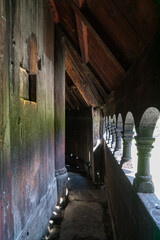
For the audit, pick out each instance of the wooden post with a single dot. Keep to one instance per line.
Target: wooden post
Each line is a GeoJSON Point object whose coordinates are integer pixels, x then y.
{"type": "Point", "coordinates": [59, 95]}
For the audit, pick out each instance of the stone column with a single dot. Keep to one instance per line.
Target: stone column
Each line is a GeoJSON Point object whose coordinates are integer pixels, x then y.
{"type": "Point", "coordinates": [59, 96]}
{"type": "Point", "coordinates": [109, 136]}
{"type": "Point", "coordinates": [118, 139]}
{"type": "Point", "coordinates": [113, 131]}
{"type": "Point", "coordinates": [127, 143]}
{"type": "Point", "coordinates": [107, 132]}
{"type": "Point", "coordinates": [118, 148]}
{"type": "Point", "coordinates": [143, 181]}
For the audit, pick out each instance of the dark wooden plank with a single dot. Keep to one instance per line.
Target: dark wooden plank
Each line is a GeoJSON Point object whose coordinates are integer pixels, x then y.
{"type": "Point", "coordinates": [77, 102]}
{"type": "Point", "coordinates": [6, 217]}
{"type": "Point", "coordinates": [51, 4]}
{"type": "Point", "coordinates": [115, 30]}
{"type": "Point", "coordinates": [79, 3]}
{"type": "Point", "coordinates": [80, 97]}
{"type": "Point", "coordinates": [83, 39]}
{"type": "Point", "coordinates": [85, 72]}
{"type": "Point", "coordinates": [67, 19]}
{"type": "Point", "coordinates": [69, 101]}
{"type": "Point", "coordinates": [142, 15]}
{"type": "Point", "coordinates": [59, 97]}
{"type": "Point", "coordinates": [75, 90]}
{"type": "Point", "coordinates": [109, 56]}
{"type": "Point", "coordinates": [80, 84]}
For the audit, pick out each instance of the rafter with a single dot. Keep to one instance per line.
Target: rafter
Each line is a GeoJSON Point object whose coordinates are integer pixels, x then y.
{"type": "Point", "coordinates": [74, 97]}
{"type": "Point", "coordinates": [80, 84]}
{"type": "Point", "coordinates": [52, 5]}
{"type": "Point", "coordinates": [85, 72]}
{"type": "Point", "coordinates": [109, 56]}
{"type": "Point", "coordinates": [69, 100]}
{"type": "Point", "coordinates": [79, 3]}
{"type": "Point", "coordinates": [83, 39]}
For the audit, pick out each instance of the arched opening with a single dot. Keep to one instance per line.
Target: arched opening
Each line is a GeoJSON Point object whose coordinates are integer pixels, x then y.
{"type": "Point", "coordinates": [129, 158]}
{"type": "Point", "coordinates": [144, 140]}
{"type": "Point", "coordinates": [151, 125]}
{"type": "Point", "coordinates": [120, 121]}
{"type": "Point", "coordinates": [155, 161]}
{"type": "Point", "coordinates": [148, 122]}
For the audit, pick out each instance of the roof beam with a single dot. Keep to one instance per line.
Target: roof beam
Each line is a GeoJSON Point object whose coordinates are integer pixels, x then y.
{"type": "Point", "coordinates": [85, 72]}
{"type": "Point", "coordinates": [52, 5]}
{"type": "Point", "coordinates": [106, 50]}
{"type": "Point", "coordinates": [74, 98]}
{"type": "Point", "coordinates": [69, 101]}
{"type": "Point", "coordinates": [80, 84]}
{"type": "Point", "coordinates": [83, 39]}
{"type": "Point", "coordinates": [79, 3]}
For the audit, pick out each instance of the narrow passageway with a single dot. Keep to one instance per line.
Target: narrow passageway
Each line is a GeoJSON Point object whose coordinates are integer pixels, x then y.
{"type": "Point", "coordinates": [86, 216]}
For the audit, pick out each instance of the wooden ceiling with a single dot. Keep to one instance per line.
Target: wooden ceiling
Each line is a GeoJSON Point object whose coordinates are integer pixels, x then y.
{"type": "Point", "coordinates": [103, 40]}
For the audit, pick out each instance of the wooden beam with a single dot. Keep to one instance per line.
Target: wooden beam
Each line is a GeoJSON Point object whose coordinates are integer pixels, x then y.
{"type": "Point", "coordinates": [72, 88]}
{"type": "Point", "coordinates": [74, 98]}
{"type": "Point", "coordinates": [109, 55]}
{"type": "Point", "coordinates": [80, 97]}
{"type": "Point", "coordinates": [79, 3]}
{"type": "Point", "coordinates": [136, 13]}
{"type": "Point", "coordinates": [83, 39]}
{"type": "Point", "coordinates": [81, 85]}
{"type": "Point", "coordinates": [52, 5]}
{"type": "Point", "coordinates": [69, 100]}
{"type": "Point", "coordinates": [85, 72]}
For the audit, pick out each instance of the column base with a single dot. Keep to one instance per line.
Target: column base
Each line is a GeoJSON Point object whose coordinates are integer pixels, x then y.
{"type": "Point", "coordinates": [62, 182]}
{"type": "Point", "coordinates": [143, 184]}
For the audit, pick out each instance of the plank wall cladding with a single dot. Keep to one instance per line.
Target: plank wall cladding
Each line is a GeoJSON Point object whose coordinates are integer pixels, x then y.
{"type": "Point", "coordinates": [28, 186]}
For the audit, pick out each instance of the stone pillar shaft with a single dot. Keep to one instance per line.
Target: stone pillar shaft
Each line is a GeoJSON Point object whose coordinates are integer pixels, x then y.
{"type": "Point", "coordinates": [113, 136]}
{"type": "Point", "coordinates": [107, 132]}
{"type": "Point", "coordinates": [118, 140]}
{"type": "Point", "coordinates": [143, 181]}
{"type": "Point", "coordinates": [109, 136]}
{"type": "Point", "coordinates": [127, 143]}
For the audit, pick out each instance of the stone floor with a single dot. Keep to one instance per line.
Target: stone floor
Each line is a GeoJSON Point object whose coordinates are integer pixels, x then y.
{"type": "Point", "coordinates": [86, 215]}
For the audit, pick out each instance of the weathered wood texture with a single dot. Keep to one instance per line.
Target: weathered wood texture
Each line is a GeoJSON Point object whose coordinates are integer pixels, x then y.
{"type": "Point", "coordinates": [79, 3]}
{"type": "Point", "coordinates": [143, 16]}
{"type": "Point", "coordinates": [83, 39]}
{"type": "Point", "coordinates": [6, 218]}
{"type": "Point", "coordinates": [85, 72]}
{"type": "Point", "coordinates": [67, 19]}
{"type": "Point", "coordinates": [27, 134]}
{"type": "Point", "coordinates": [102, 55]}
{"type": "Point", "coordinates": [81, 85]}
{"type": "Point", "coordinates": [59, 96]}
{"type": "Point", "coordinates": [111, 38]}
{"type": "Point", "coordinates": [73, 95]}
{"type": "Point", "coordinates": [120, 33]}
{"type": "Point", "coordinates": [51, 4]}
